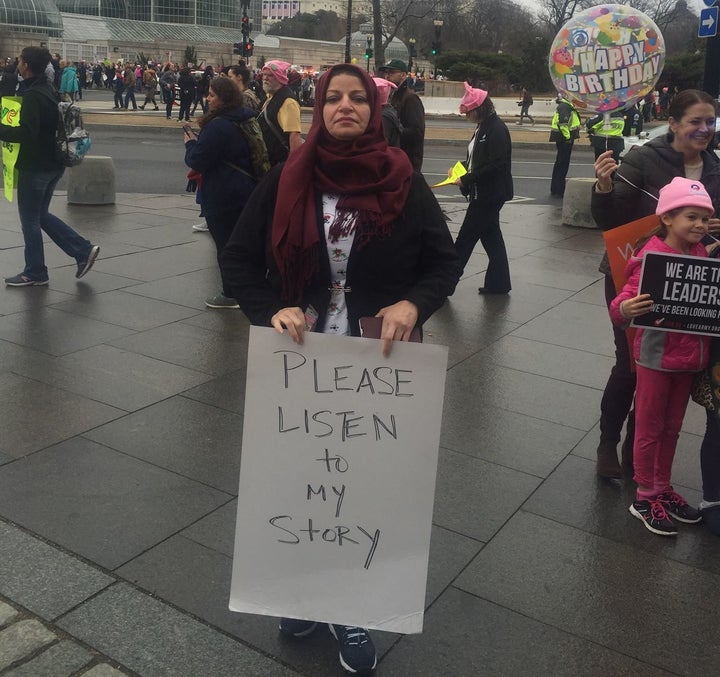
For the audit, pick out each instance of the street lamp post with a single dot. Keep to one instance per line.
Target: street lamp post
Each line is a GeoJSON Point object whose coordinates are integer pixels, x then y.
{"type": "Point", "coordinates": [438, 24]}
{"type": "Point", "coordinates": [348, 29]}
{"type": "Point", "coordinates": [411, 41]}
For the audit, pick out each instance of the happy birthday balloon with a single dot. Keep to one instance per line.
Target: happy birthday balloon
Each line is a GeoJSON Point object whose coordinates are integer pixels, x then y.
{"type": "Point", "coordinates": [607, 57]}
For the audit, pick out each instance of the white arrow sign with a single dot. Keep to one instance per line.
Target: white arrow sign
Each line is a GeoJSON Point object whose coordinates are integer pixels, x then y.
{"type": "Point", "coordinates": [708, 22]}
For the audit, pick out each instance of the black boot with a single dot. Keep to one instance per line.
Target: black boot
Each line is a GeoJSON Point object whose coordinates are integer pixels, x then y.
{"type": "Point", "coordinates": [142, 107]}
{"type": "Point", "coordinates": [607, 461]}
{"type": "Point", "coordinates": [626, 451]}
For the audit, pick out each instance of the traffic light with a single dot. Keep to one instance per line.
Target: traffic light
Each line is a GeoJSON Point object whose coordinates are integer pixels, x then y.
{"type": "Point", "coordinates": [248, 47]}
{"type": "Point", "coordinates": [238, 48]}
{"type": "Point", "coordinates": [434, 48]}
{"type": "Point", "coordinates": [245, 26]}
{"type": "Point", "coordinates": [368, 53]}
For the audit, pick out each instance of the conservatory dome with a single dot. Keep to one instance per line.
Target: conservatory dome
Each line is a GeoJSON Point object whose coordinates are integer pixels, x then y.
{"type": "Point", "coordinates": [31, 15]}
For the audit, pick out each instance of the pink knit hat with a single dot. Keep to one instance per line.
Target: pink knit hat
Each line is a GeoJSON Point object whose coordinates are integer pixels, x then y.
{"type": "Point", "coordinates": [278, 69]}
{"type": "Point", "coordinates": [384, 87]}
{"type": "Point", "coordinates": [472, 99]}
{"type": "Point", "coordinates": [682, 192]}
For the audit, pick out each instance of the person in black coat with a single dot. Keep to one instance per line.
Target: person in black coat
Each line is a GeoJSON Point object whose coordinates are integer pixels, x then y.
{"type": "Point", "coordinates": [414, 263]}
{"type": "Point", "coordinates": [488, 185]}
{"type": "Point", "coordinates": [342, 230]}
{"type": "Point", "coordinates": [627, 192]}
{"type": "Point", "coordinates": [187, 86]}
{"type": "Point", "coordinates": [221, 155]}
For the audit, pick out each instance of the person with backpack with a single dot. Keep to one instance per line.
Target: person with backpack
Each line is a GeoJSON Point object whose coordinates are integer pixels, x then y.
{"type": "Point", "coordinates": [222, 156]}
{"type": "Point", "coordinates": [39, 170]}
{"type": "Point", "coordinates": [150, 82]}
{"type": "Point", "coordinates": [280, 115]}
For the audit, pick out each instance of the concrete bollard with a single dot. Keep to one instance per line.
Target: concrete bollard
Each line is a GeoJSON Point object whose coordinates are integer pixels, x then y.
{"type": "Point", "coordinates": [576, 203]}
{"type": "Point", "coordinates": [92, 182]}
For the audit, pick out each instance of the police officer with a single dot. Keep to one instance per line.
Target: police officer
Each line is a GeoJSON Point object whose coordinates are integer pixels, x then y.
{"type": "Point", "coordinates": [604, 138]}
{"type": "Point", "coordinates": [565, 128]}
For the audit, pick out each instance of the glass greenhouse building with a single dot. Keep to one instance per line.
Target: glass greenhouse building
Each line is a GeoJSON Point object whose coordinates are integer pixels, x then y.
{"type": "Point", "coordinates": [30, 16]}
{"type": "Point", "coordinates": [44, 15]}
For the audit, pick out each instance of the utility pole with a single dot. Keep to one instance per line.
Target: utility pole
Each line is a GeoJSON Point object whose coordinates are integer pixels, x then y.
{"type": "Point", "coordinates": [348, 33]}
{"type": "Point", "coordinates": [437, 45]}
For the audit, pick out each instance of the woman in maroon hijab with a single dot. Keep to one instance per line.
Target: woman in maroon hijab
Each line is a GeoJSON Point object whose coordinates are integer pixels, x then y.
{"type": "Point", "coordinates": [344, 229]}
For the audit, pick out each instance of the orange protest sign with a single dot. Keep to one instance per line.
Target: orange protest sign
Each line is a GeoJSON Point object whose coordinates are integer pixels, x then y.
{"type": "Point", "coordinates": [620, 243]}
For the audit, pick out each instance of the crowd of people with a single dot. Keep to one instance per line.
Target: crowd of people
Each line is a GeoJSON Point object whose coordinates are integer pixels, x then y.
{"type": "Point", "coordinates": [298, 224]}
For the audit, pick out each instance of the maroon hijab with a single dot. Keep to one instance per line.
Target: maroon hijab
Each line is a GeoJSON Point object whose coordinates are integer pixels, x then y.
{"type": "Point", "coordinates": [372, 180]}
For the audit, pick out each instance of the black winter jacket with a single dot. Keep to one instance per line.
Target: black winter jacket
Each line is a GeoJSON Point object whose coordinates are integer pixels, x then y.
{"type": "Point", "coordinates": [219, 145]}
{"type": "Point", "coordinates": [648, 168]}
{"type": "Point", "coordinates": [489, 177]}
{"type": "Point", "coordinates": [417, 262]}
{"type": "Point", "coordinates": [38, 125]}
{"type": "Point", "coordinates": [412, 116]}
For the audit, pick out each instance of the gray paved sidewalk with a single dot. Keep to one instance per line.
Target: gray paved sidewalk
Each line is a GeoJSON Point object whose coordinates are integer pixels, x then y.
{"type": "Point", "coordinates": [122, 414]}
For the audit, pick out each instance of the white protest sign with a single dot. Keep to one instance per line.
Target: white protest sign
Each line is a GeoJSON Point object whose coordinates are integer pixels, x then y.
{"type": "Point", "coordinates": [337, 480]}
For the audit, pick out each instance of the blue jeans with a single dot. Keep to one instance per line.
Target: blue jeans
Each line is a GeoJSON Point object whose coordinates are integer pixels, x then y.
{"type": "Point", "coordinates": [130, 96]}
{"type": "Point", "coordinates": [34, 192]}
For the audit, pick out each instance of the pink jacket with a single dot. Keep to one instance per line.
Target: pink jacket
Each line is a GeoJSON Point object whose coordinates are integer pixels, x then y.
{"type": "Point", "coordinates": [661, 350]}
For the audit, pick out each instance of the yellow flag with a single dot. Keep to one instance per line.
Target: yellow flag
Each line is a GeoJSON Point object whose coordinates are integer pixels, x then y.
{"type": "Point", "coordinates": [10, 116]}
{"type": "Point", "coordinates": [456, 172]}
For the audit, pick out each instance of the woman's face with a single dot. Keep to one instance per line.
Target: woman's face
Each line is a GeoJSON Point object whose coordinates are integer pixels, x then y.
{"type": "Point", "coordinates": [473, 115]}
{"type": "Point", "coordinates": [694, 130]}
{"type": "Point", "coordinates": [213, 99]}
{"type": "Point", "coordinates": [346, 111]}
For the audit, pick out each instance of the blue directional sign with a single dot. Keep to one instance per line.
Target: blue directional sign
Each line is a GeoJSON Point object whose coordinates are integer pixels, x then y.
{"type": "Point", "coordinates": [708, 27]}
{"type": "Point", "coordinates": [709, 3]}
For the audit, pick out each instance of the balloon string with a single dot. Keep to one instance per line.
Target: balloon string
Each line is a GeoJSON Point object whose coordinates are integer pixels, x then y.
{"type": "Point", "coordinates": [642, 190]}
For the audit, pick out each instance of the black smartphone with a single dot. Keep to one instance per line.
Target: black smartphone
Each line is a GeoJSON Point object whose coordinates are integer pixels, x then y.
{"type": "Point", "coordinates": [188, 130]}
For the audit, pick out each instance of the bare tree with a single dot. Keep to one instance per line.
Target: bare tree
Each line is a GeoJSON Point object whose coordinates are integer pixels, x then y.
{"type": "Point", "coordinates": [556, 13]}
{"type": "Point", "coordinates": [393, 16]}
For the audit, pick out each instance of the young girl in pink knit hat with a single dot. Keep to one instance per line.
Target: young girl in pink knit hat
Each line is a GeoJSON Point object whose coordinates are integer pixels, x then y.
{"type": "Point", "coordinates": [666, 361]}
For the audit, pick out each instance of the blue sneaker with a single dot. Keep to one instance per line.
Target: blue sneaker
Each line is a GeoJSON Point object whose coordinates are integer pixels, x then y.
{"type": "Point", "coordinates": [297, 627]}
{"type": "Point", "coordinates": [23, 280]}
{"type": "Point", "coordinates": [357, 651]}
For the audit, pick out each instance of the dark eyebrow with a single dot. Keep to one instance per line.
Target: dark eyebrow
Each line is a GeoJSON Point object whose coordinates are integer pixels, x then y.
{"type": "Point", "coordinates": [360, 90]}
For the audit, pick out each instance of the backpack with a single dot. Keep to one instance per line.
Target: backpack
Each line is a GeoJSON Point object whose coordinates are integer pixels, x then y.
{"type": "Point", "coordinates": [259, 159]}
{"type": "Point", "coordinates": [72, 140]}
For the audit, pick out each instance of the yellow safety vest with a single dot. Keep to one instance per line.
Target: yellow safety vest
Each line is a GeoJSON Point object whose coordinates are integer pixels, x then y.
{"type": "Point", "coordinates": [616, 127]}
{"type": "Point", "coordinates": [572, 124]}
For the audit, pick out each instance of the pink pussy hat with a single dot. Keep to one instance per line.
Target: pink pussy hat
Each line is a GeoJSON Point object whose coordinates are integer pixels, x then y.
{"type": "Point", "coordinates": [472, 99]}
{"type": "Point", "coordinates": [278, 69]}
{"type": "Point", "coordinates": [384, 87]}
{"type": "Point", "coordinates": [682, 192]}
